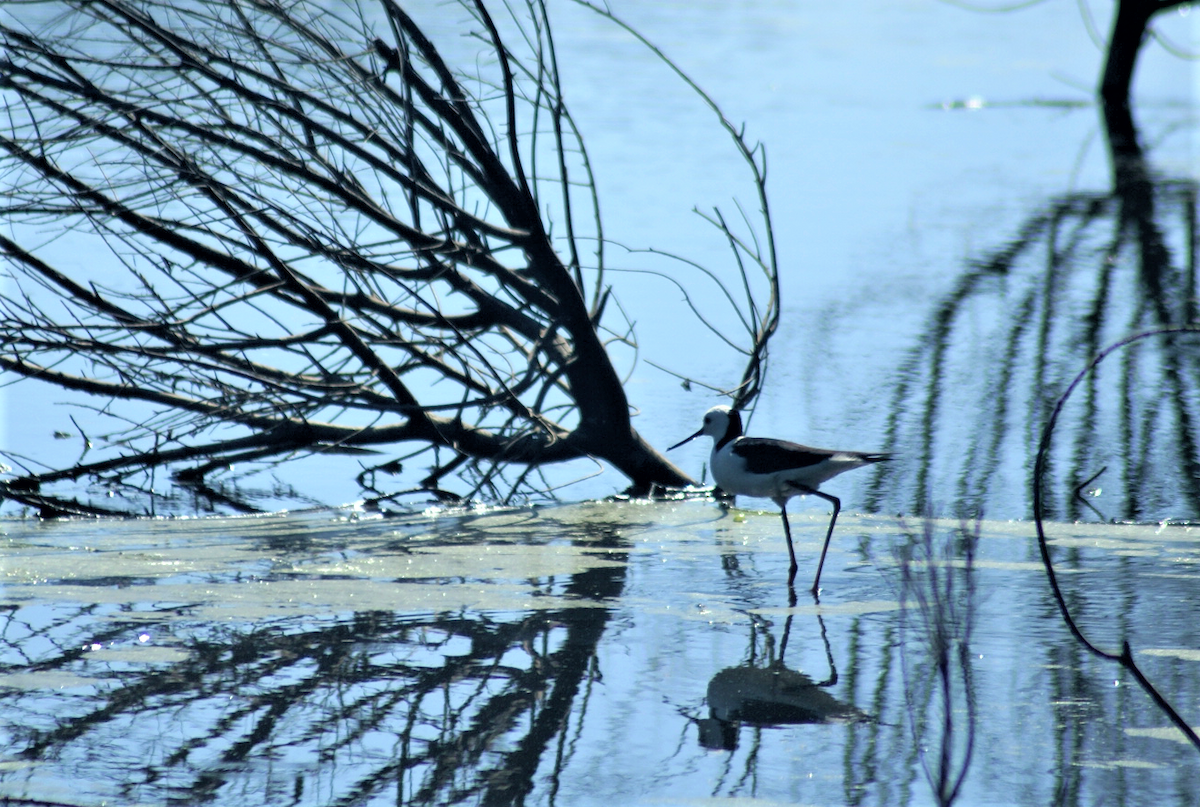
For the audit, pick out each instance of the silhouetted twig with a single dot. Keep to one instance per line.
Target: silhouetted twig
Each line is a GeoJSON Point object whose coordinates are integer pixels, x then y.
{"type": "Point", "coordinates": [1125, 657]}
{"type": "Point", "coordinates": [1079, 492]}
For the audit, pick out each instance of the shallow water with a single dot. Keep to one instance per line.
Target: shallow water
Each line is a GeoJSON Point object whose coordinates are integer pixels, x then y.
{"type": "Point", "coordinates": [636, 652]}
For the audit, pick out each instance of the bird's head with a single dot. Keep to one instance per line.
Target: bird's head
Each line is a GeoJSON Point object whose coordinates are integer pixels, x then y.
{"type": "Point", "coordinates": [717, 422]}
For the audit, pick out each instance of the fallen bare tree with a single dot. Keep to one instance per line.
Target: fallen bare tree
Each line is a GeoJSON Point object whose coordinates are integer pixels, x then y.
{"type": "Point", "coordinates": [293, 229]}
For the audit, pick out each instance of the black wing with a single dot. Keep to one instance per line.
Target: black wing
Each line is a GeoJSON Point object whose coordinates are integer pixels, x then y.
{"type": "Point", "coordinates": [766, 456]}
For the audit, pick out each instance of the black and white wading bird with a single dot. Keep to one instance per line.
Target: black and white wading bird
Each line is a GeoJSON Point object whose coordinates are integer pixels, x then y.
{"type": "Point", "coordinates": [775, 469]}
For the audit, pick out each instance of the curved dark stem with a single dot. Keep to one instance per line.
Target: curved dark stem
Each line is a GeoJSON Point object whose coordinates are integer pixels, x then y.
{"type": "Point", "coordinates": [1125, 657]}
{"type": "Point", "coordinates": [510, 104]}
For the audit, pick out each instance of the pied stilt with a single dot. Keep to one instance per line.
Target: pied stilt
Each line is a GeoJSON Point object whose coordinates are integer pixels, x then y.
{"type": "Point", "coordinates": [775, 469]}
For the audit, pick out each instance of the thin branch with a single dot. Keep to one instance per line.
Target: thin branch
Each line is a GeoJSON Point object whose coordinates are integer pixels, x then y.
{"type": "Point", "coordinates": [1125, 656]}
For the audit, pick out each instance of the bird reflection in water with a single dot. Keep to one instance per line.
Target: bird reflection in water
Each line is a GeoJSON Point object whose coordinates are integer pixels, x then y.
{"type": "Point", "coordinates": [771, 695]}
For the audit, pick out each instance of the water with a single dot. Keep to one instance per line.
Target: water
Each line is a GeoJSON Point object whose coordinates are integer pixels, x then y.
{"type": "Point", "coordinates": [576, 654]}
{"type": "Point", "coordinates": [581, 655]}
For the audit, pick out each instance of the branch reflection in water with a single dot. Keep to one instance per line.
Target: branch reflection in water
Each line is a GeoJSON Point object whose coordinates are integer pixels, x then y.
{"type": "Point", "coordinates": [1085, 270]}
{"type": "Point", "coordinates": [438, 707]}
{"type": "Point", "coordinates": [570, 656]}
{"type": "Point", "coordinates": [937, 601]}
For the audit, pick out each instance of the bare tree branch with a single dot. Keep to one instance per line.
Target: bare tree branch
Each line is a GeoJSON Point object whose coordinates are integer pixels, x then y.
{"type": "Point", "coordinates": [302, 234]}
